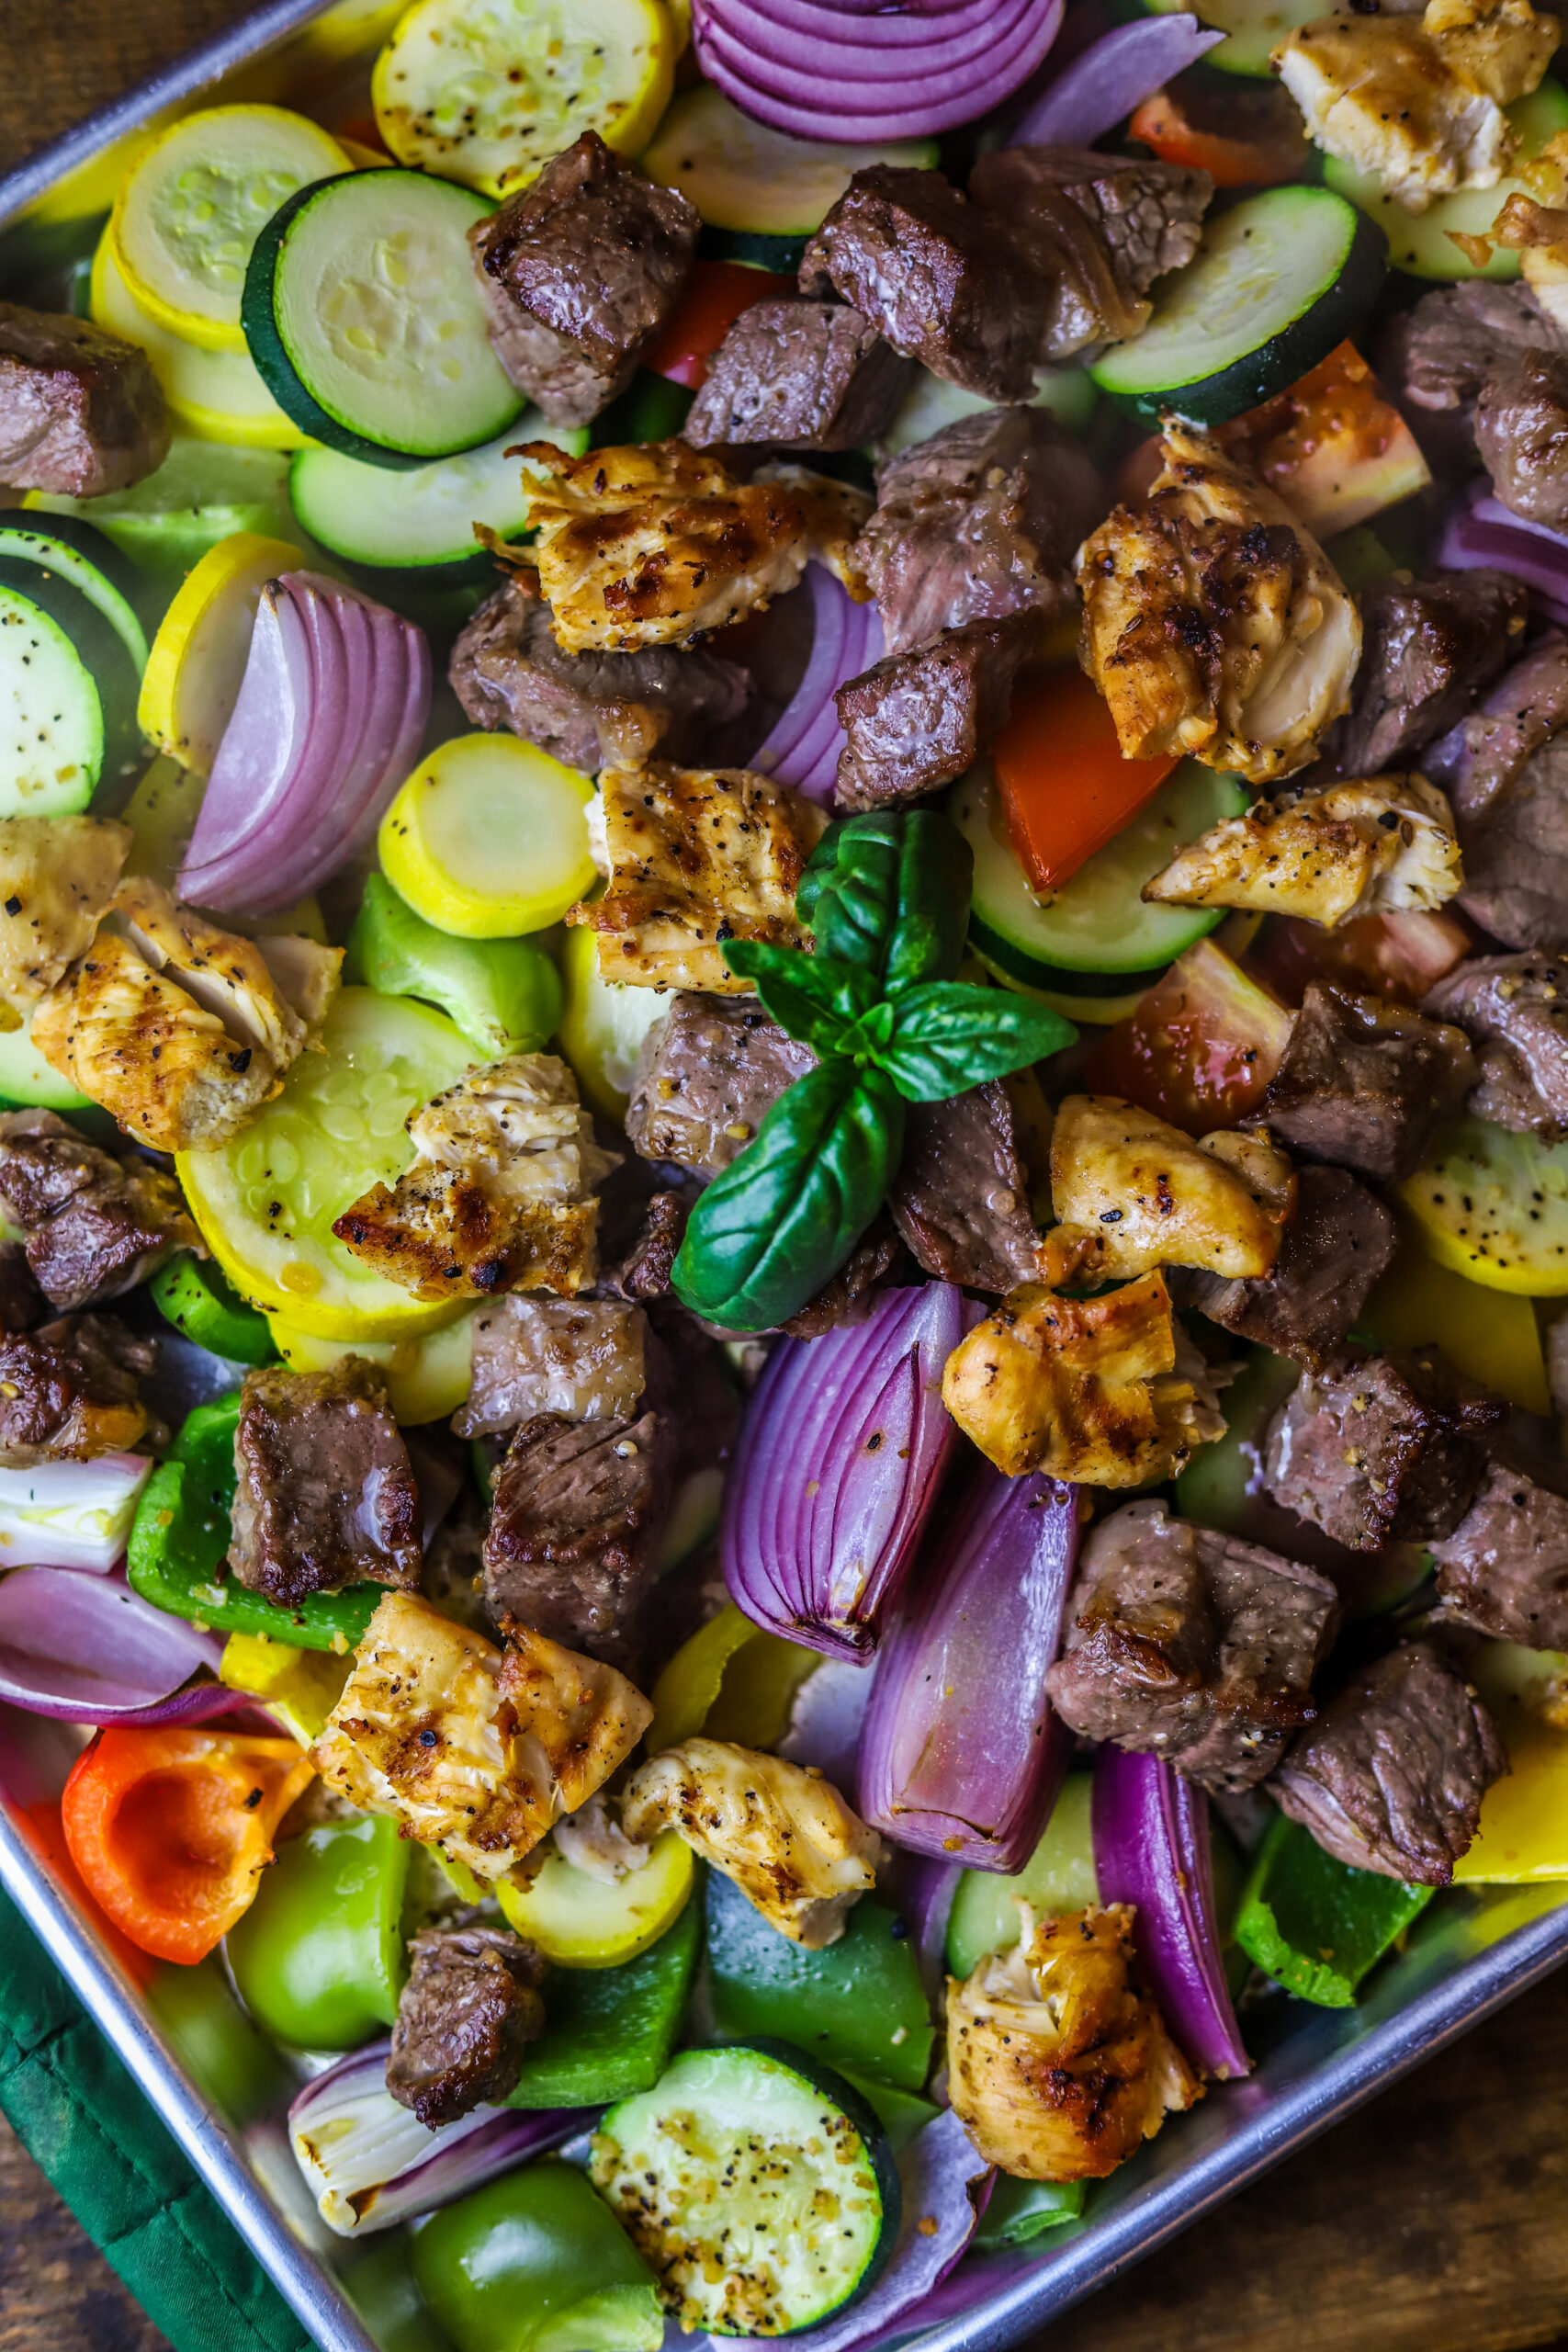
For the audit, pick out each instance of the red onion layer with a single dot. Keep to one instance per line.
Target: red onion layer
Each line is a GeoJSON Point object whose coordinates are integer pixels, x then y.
{"type": "Point", "coordinates": [85, 1649]}
{"type": "Point", "coordinates": [823, 72]}
{"type": "Point", "coordinates": [1102, 87]}
{"type": "Point", "coordinates": [1151, 1848]}
{"type": "Point", "coordinates": [329, 721]}
{"type": "Point", "coordinates": [962, 1756]}
{"type": "Point", "coordinates": [841, 1454]}
{"type": "Point", "coordinates": [1482, 530]}
{"type": "Point", "coordinates": [803, 746]}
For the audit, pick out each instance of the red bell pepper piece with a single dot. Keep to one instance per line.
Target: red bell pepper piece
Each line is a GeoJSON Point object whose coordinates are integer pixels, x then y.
{"type": "Point", "coordinates": [716, 292]}
{"type": "Point", "coordinates": [1065, 785]}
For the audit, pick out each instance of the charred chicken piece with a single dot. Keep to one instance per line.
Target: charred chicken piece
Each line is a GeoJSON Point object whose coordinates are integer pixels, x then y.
{"type": "Point", "coordinates": [467, 2013]}
{"type": "Point", "coordinates": [1381, 1449]}
{"type": "Point", "coordinates": [58, 878]}
{"type": "Point", "coordinates": [1147, 1195]}
{"type": "Point", "coordinates": [326, 1494]}
{"type": "Point", "coordinates": [1380, 844]}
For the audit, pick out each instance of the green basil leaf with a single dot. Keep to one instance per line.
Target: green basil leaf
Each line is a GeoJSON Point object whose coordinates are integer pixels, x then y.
{"type": "Point", "coordinates": [948, 1036]}
{"type": "Point", "coordinates": [815, 998]}
{"type": "Point", "coordinates": [889, 892]}
{"type": "Point", "coordinates": [779, 1223]}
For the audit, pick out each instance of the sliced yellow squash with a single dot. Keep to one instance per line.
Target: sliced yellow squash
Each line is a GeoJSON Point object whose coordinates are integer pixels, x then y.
{"type": "Point", "coordinates": [192, 679]}
{"type": "Point", "coordinates": [602, 1025]}
{"type": "Point", "coordinates": [427, 1376]}
{"type": "Point", "coordinates": [580, 1921]}
{"type": "Point", "coordinates": [488, 837]}
{"type": "Point", "coordinates": [1493, 1206]}
{"type": "Point", "coordinates": [217, 395]}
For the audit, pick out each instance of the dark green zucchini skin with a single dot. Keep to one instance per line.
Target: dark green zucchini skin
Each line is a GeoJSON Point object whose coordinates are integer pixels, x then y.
{"type": "Point", "coordinates": [1061, 979]}
{"type": "Point", "coordinates": [107, 661]}
{"type": "Point", "coordinates": [830, 2084]}
{"type": "Point", "coordinates": [759, 248]}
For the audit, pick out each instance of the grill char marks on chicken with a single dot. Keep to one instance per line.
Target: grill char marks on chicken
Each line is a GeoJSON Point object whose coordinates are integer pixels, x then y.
{"type": "Point", "coordinates": [1335, 1247]}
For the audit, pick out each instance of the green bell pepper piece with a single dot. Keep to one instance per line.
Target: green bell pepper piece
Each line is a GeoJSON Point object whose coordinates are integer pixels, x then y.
{"type": "Point", "coordinates": [900, 2113]}
{"type": "Point", "coordinates": [1315, 1925]}
{"type": "Point", "coordinates": [1019, 2209]}
{"type": "Point", "coordinates": [860, 2002]}
{"type": "Point", "coordinates": [1058, 1876]}
{"type": "Point", "coordinates": [177, 1555]}
{"type": "Point", "coordinates": [230, 2064]}
{"type": "Point", "coordinates": [379, 2282]}
{"type": "Point", "coordinates": [319, 1956]}
{"type": "Point", "coordinates": [536, 2262]}
{"type": "Point", "coordinates": [609, 2032]}
{"type": "Point", "coordinates": [193, 1294]}
{"type": "Point", "coordinates": [503, 994]}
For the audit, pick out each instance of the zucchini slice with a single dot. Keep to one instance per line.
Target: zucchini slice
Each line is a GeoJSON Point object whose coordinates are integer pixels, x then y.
{"type": "Point", "coordinates": [745, 176]}
{"type": "Point", "coordinates": [1422, 242]}
{"type": "Point", "coordinates": [1096, 938]}
{"type": "Point", "coordinates": [759, 2186]}
{"type": "Point", "coordinates": [930, 403]}
{"type": "Point", "coordinates": [68, 687]}
{"type": "Point", "coordinates": [362, 316]}
{"type": "Point", "coordinates": [216, 394]}
{"type": "Point", "coordinates": [416, 529]}
{"type": "Point", "coordinates": [74, 552]}
{"type": "Point", "coordinates": [203, 492]}
{"type": "Point", "coordinates": [1277, 282]}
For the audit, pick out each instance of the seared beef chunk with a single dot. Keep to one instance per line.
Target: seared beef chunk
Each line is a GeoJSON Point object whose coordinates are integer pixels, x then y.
{"type": "Point", "coordinates": [917, 719]}
{"type": "Point", "coordinates": [1366, 1083]}
{"type": "Point", "coordinates": [467, 2013]}
{"type": "Point", "coordinates": [1505, 1568]}
{"type": "Point", "coordinates": [1437, 358]}
{"type": "Point", "coordinates": [1391, 1777]}
{"type": "Point", "coordinates": [81, 412]}
{"type": "Point", "coordinates": [326, 1496]}
{"type": "Point", "coordinates": [1514, 1008]}
{"type": "Point", "coordinates": [961, 1197]}
{"type": "Point", "coordinates": [1386, 1449]}
{"type": "Point", "coordinates": [1486, 753]}
{"type": "Point", "coordinates": [984, 518]}
{"type": "Point", "coordinates": [929, 271]}
{"type": "Point", "coordinates": [1186, 1644]}
{"type": "Point", "coordinates": [22, 1304]}
{"type": "Point", "coordinates": [573, 1544]}
{"type": "Point", "coordinates": [589, 710]}
{"type": "Point", "coordinates": [1428, 648]}
{"type": "Point", "coordinates": [584, 1358]}
{"type": "Point", "coordinates": [871, 1258]}
{"type": "Point", "coordinates": [807, 375]}
{"type": "Point", "coordinates": [581, 273]}
{"type": "Point", "coordinates": [95, 1226]}
{"type": "Point", "coordinates": [1340, 1240]}
{"type": "Point", "coordinates": [645, 1269]}
{"type": "Point", "coordinates": [707, 1078]}
{"type": "Point", "coordinates": [1521, 431]}
{"type": "Point", "coordinates": [69, 1391]}
{"type": "Point", "coordinates": [1505, 770]}
{"type": "Point", "coordinates": [1094, 231]}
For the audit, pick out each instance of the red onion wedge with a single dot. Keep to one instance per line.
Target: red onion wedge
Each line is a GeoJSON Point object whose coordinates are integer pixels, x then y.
{"type": "Point", "coordinates": [1482, 530]}
{"type": "Point", "coordinates": [369, 2163]}
{"type": "Point", "coordinates": [843, 1447]}
{"type": "Point", "coordinates": [1151, 1847]}
{"type": "Point", "coordinates": [1102, 86]}
{"type": "Point", "coordinates": [86, 1649]}
{"type": "Point", "coordinates": [70, 1514]}
{"type": "Point", "coordinates": [329, 717]}
{"type": "Point", "coordinates": [821, 71]}
{"type": "Point", "coordinates": [803, 746]}
{"type": "Point", "coordinates": [962, 1756]}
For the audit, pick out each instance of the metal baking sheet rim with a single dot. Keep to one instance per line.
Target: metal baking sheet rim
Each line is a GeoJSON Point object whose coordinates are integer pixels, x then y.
{"type": "Point", "coordinates": [1150, 2211]}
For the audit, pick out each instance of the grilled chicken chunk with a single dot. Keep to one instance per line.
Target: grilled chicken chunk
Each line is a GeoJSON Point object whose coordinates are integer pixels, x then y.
{"type": "Point", "coordinates": [70, 1390]}
{"type": "Point", "coordinates": [1059, 2064]}
{"type": "Point", "coordinates": [1339, 1240]}
{"type": "Point", "coordinates": [695, 856]}
{"type": "Point", "coordinates": [94, 1226]}
{"type": "Point", "coordinates": [1103, 1392]}
{"type": "Point", "coordinates": [659, 545]}
{"type": "Point", "coordinates": [467, 2013]}
{"type": "Point", "coordinates": [1147, 1195]}
{"type": "Point", "coordinates": [785, 1834]}
{"type": "Point", "coordinates": [58, 877]}
{"type": "Point", "coordinates": [502, 1193]}
{"type": "Point", "coordinates": [1420, 104]}
{"type": "Point", "coordinates": [1214, 624]}
{"type": "Point", "coordinates": [470, 1747]}
{"type": "Point", "coordinates": [1374, 847]}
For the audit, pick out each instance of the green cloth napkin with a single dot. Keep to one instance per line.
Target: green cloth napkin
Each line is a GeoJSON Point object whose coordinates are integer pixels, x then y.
{"type": "Point", "coordinates": [136, 2195]}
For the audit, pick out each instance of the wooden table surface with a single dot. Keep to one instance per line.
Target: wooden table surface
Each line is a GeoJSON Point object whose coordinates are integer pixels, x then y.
{"type": "Point", "coordinates": [1436, 2221]}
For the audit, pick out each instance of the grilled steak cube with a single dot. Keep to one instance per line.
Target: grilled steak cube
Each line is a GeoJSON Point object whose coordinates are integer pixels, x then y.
{"type": "Point", "coordinates": [875, 1255]}
{"type": "Point", "coordinates": [646, 1270]}
{"type": "Point", "coordinates": [1189, 1645]}
{"type": "Point", "coordinates": [70, 1390]}
{"type": "Point", "coordinates": [1382, 1450]}
{"type": "Point", "coordinates": [581, 273]}
{"type": "Point", "coordinates": [22, 1304]}
{"type": "Point", "coordinates": [94, 1225]}
{"type": "Point", "coordinates": [1339, 1241]}
{"type": "Point", "coordinates": [326, 1495]}
{"type": "Point", "coordinates": [707, 1078]}
{"type": "Point", "coordinates": [1514, 1008]}
{"type": "Point", "coordinates": [916, 720]}
{"type": "Point", "coordinates": [467, 2013]}
{"type": "Point", "coordinates": [931, 273]}
{"type": "Point", "coordinates": [961, 1197]}
{"type": "Point", "coordinates": [1391, 1776]}
{"type": "Point", "coordinates": [1521, 431]}
{"type": "Point", "coordinates": [589, 710]}
{"type": "Point", "coordinates": [81, 412]}
{"type": "Point", "coordinates": [1437, 358]}
{"type": "Point", "coordinates": [1505, 1568]}
{"type": "Point", "coordinates": [1428, 648]}
{"type": "Point", "coordinates": [1094, 231]}
{"type": "Point", "coordinates": [1366, 1083]}
{"type": "Point", "coordinates": [984, 518]}
{"type": "Point", "coordinates": [583, 1358]}
{"type": "Point", "coordinates": [805, 375]}
{"type": "Point", "coordinates": [573, 1541]}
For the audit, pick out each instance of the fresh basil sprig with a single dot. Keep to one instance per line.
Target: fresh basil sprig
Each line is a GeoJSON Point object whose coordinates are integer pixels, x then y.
{"type": "Point", "coordinates": [887, 899]}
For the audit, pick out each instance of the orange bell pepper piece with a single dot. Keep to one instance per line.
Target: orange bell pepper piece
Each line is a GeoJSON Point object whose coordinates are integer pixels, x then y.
{"type": "Point", "coordinates": [44, 1832]}
{"type": "Point", "coordinates": [716, 292]}
{"type": "Point", "coordinates": [171, 1828]}
{"type": "Point", "coordinates": [1170, 124]}
{"type": "Point", "coordinates": [1065, 788]}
